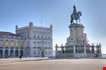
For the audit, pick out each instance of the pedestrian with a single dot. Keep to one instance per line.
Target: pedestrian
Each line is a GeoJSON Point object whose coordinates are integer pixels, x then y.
{"type": "Point", "coordinates": [20, 56]}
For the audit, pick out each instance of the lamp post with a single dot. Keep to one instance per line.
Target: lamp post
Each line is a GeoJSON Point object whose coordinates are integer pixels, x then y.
{"type": "Point", "coordinates": [42, 49]}
{"type": "Point", "coordinates": [21, 49]}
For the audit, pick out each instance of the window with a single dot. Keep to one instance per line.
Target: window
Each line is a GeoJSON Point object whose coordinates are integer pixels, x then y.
{"type": "Point", "coordinates": [41, 36]}
{"type": "Point", "coordinates": [38, 37]}
{"type": "Point", "coordinates": [34, 43]}
{"type": "Point", "coordinates": [34, 37]}
{"type": "Point", "coordinates": [34, 52]}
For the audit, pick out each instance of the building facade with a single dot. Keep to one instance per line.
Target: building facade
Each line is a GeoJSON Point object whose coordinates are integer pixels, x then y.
{"type": "Point", "coordinates": [77, 44]}
{"type": "Point", "coordinates": [9, 46]}
{"type": "Point", "coordinates": [36, 41]}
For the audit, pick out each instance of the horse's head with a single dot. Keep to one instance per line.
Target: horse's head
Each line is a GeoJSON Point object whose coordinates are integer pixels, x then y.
{"type": "Point", "coordinates": [79, 13]}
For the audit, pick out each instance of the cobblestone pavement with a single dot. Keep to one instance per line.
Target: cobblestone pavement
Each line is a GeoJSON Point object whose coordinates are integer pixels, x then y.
{"type": "Point", "coordinates": [56, 64]}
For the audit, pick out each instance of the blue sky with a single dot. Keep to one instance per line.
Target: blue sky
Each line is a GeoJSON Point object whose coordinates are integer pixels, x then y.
{"type": "Point", "coordinates": [57, 13]}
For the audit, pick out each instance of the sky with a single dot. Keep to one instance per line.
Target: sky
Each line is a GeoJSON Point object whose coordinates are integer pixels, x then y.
{"type": "Point", "coordinates": [56, 12]}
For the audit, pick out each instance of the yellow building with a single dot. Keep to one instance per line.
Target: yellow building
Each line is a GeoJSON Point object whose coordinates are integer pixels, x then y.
{"type": "Point", "coordinates": [8, 45]}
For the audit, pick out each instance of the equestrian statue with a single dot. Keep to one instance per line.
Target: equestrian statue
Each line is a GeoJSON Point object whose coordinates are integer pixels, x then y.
{"type": "Point", "coordinates": [75, 16]}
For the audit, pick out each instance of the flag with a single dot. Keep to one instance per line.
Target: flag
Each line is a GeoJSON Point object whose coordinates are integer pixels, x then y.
{"type": "Point", "coordinates": [0, 43]}
{"type": "Point", "coordinates": [3, 43]}
{"type": "Point", "coordinates": [9, 43]}
{"type": "Point", "coordinates": [15, 43]}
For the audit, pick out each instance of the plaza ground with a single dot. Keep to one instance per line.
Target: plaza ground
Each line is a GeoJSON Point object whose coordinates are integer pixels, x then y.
{"type": "Point", "coordinates": [52, 64]}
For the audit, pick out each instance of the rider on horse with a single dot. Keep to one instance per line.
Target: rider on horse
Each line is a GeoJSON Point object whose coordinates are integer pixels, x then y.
{"type": "Point", "coordinates": [75, 16]}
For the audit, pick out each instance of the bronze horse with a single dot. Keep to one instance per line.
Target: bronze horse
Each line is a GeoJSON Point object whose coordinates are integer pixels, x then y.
{"type": "Point", "coordinates": [75, 15]}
